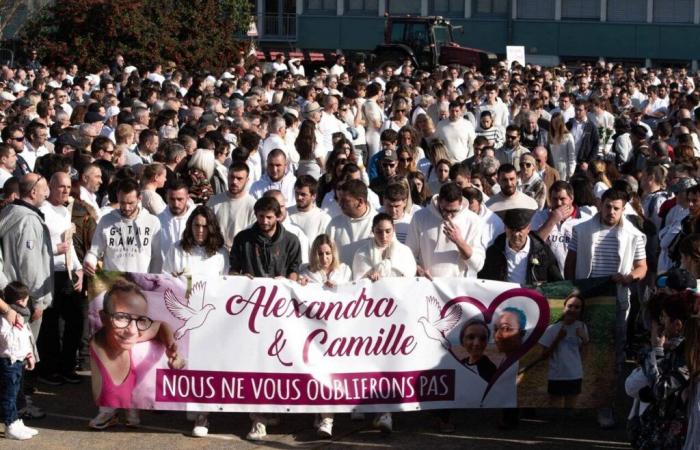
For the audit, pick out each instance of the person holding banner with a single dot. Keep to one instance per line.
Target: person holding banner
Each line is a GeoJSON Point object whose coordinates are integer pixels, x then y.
{"type": "Point", "coordinates": [380, 257]}
{"type": "Point", "coordinates": [324, 266]}
{"type": "Point", "coordinates": [608, 244]}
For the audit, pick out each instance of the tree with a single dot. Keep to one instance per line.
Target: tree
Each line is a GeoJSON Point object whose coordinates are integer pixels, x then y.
{"type": "Point", "coordinates": [192, 33]}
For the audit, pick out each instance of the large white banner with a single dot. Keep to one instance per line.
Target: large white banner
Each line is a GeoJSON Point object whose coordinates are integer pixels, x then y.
{"type": "Point", "coordinates": [273, 345]}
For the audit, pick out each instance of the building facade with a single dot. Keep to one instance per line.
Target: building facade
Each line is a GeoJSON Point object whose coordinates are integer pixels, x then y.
{"type": "Point", "coordinates": [637, 31]}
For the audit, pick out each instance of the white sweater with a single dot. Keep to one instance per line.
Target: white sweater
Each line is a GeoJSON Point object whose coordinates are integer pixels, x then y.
{"type": "Point", "coordinates": [127, 245]}
{"type": "Point", "coordinates": [435, 252]}
{"type": "Point", "coordinates": [399, 261]}
{"type": "Point", "coordinates": [458, 137]}
{"type": "Point", "coordinates": [58, 221]}
{"type": "Point", "coordinates": [172, 227]}
{"type": "Point", "coordinates": [285, 186]}
{"type": "Point", "coordinates": [313, 222]}
{"type": "Point", "coordinates": [233, 214]}
{"type": "Point", "coordinates": [178, 261]}
{"type": "Point", "coordinates": [348, 234]}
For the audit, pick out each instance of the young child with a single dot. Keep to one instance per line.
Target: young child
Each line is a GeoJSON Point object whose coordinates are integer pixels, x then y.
{"type": "Point", "coordinates": [474, 336]}
{"type": "Point", "coordinates": [16, 349]}
{"type": "Point", "coordinates": [563, 342]}
{"type": "Point", "coordinates": [125, 323]}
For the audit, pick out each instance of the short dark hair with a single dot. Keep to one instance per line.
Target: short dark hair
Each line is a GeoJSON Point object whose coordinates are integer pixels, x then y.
{"type": "Point", "coordinates": [120, 286]}
{"type": "Point", "coordinates": [380, 217]}
{"type": "Point", "coordinates": [128, 185]}
{"type": "Point", "coordinates": [615, 194]}
{"type": "Point", "coordinates": [238, 166]}
{"type": "Point", "coordinates": [15, 291]}
{"type": "Point", "coordinates": [472, 194]}
{"type": "Point", "coordinates": [267, 204]}
{"type": "Point", "coordinates": [389, 135]}
{"type": "Point", "coordinates": [561, 185]}
{"type": "Point", "coordinates": [460, 169]}
{"type": "Point", "coordinates": [505, 168]}
{"type": "Point", "coordinates": [307, 181]}
{"type": "Point", "coordinates": [450, 192]}
{"type": "Point", "coordinates": [177, 184]}
{"type": "Point", "coordinates": [395, 192]}
{"type": "Point", "coordinates": [356, 188]}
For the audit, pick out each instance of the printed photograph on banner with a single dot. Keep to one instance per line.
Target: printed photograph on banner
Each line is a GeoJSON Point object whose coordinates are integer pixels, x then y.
{"type": "Point", "coordinates": [573, 363]}
{"type": "Point", "coordinates": [133, 334]}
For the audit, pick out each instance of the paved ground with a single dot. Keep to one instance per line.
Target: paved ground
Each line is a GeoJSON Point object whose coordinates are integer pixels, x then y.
{"type": "Point", "coordinates": [70, 407]}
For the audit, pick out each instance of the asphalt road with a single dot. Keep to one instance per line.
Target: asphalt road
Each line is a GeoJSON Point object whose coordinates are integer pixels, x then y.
{"type": "Point", "coordinates": [70, 407]}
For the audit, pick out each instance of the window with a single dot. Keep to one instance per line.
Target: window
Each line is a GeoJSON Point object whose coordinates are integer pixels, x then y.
{"type": "Point", "coordinates": [404, 6]}
{"type": "Point", "coordinates": [366, 7]}
{"type": "Point", "coordinates": [536, 9]}
{"type": "Point", "coordinates": [490, 7]}
{"type": "Point", "coordinates": [677, 11]}
{"type": "Point", "coordinates": [627, 10]}
{"type": "Point", "coordinates": [321, 5]}
{"type": "Point", "coordinates": [580, 9]}
{"type": "Point", "coordinates": [449, 8]}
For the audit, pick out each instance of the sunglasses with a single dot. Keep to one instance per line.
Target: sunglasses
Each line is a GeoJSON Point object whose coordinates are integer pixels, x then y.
{"type": "Point", "coordinates": [18, 138]}
{"type": "Point", "coordinates": [528, 164]}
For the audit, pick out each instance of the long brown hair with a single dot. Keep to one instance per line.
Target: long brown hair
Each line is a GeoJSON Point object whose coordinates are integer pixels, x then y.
{"type": "Point", "coordinates": [557, 128]}
{"type": "Point", "coordinates": [215, 239]}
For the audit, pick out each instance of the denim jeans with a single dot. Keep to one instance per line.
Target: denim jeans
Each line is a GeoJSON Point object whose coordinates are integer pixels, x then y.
{"type": "Point", "coordinates": [10, 382]}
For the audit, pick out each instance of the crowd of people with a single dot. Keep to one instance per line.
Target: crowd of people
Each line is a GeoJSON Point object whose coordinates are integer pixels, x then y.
{"type": "Point", "coordinates": [523, 174]}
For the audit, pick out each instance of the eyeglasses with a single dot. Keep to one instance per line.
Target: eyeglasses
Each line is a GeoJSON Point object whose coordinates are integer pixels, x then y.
{"type": "Point", "coordinates": [123, 320]}
{"type": "Point", "coordinates": [527, 164]}
{"type": "Point", "coordinates": [17, 138]}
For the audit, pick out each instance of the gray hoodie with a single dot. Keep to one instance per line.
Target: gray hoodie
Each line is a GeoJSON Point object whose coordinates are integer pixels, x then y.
{"type": "Point", "coordinates": [26, 251]}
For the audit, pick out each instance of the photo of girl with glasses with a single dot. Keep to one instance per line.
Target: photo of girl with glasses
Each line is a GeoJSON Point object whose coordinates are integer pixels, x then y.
{"type": "Point", "coordinates": [125, 323]}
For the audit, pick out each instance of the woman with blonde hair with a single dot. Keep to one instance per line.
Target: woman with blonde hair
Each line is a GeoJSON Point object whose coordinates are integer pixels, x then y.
{"type": "Point", "coordinates": [154, 176]}
{"type": "Point", "coordinates": [324, 266]}
{"type": "Point", "coordinates": [562, 147]}
{"type": "Point", "coordinates": [426, 129]}
{"type": "Point", "coordinates": [436, 151]}
{"type": "Point", "coordinates": [600, 178]}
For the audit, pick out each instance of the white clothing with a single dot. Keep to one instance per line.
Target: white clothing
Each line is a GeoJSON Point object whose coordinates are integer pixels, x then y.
{"type": "Point", "coordinates": [58, 221]}
{"type": "Point", "coordinates": [435, 252]}
{"type": "Point", "coordinates": [348, 233]}
{"type": "Point", "coordinates": [4, 176]}
{"type": "Point", "coordinates": [89, 198]}
{"type": "Point", "coordinates": [341, 275]}
{"type": "Point", "coordinates": [668, 234]}
{"type": "Point", "coordinates": [312, 222]}
{"type": "Point", "coordinates": [233, 214]}
{"type": "Point", "coordinates": [304, 242]}
{"type": "Point", "coordinates": [31, 154]}
{"type": "Point", "coordinates": [564, 156]}
{"type": "Point", "coordinates": [565, 361]}
{"type": "Point", "coordinates": [272, 142]}
{"type": "Point", "coordinates": [399, 261]}
{"type": "Point", "coordinates": [372, 113]}
{"type": "Point", "coordinates": [172, 227]}
{"type": "Point", "coordinates": [330, 205]}
{"type": "Point", "coordinates": [153, 202]}
{"type": "Point", "coordinates": [458, 137]}
{"type": "Point", "coordinates": [560, 236]}
{"type": "Point", "coordinates": [127, 245]}
{"type": "Point", "coordinates": [402, 225]}
{"type": "Point", "coordinates": [499, 112]}
{"type": "Point", "coordinates": [516, 263]}
{"type": "Point", "coordinates": [492, 226]}
{"type": "Point", "coordinates": [566, 114]}
{"type": "Point", "coordinates": [285, 186]}
{"type": "Point", "coordinates": [177, 261]}
{"type": "Point", "coordinates": [15, 343]}
{"type": "Point", "coordinates": [329, 125]}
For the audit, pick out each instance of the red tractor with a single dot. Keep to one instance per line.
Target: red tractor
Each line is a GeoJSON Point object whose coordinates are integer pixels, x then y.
{"type": "Point", "coordinates": [427, 42]}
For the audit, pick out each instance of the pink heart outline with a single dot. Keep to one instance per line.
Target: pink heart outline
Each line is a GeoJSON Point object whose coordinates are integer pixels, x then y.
{"type": "Point", "coordinates": [487, 312]}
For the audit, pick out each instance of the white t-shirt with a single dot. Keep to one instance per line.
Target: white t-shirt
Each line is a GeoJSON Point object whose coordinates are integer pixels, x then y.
{"type": "Point", "coordinates": [313, 222]}
{"type": "Point", "coordinates": [232, 214]}
{"type": "Point", "coordinates": [516, 261]}
{"type": "Point", "coordinates": [565, 362]}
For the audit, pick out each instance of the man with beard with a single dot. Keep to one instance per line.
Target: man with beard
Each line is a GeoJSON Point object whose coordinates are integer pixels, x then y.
{"type": "Point", "coordinates": [509, 194]}
{"type": "Point", "coordinates": [234, 208]}
{"type": "Point", "coordinates": [305, 214]}
{"type": "Point", "coordinates": [275, 177]}
{"type": "Point", "coordinates": [609, 245]}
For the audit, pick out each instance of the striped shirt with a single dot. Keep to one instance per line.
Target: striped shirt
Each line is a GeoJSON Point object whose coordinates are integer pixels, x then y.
{"type": "Point", "coordinates": [605, 254]}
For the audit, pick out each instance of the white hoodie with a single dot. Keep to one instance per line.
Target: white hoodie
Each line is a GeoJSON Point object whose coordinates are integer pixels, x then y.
{"type": "Point", "coordinates": [435, 252]}
{"type": "Point", "coordinates": [348, 233]}
{"type": "Point", "coordinates": [127, 245]}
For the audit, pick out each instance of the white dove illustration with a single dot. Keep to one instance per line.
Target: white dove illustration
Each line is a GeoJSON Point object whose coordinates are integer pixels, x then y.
{"type": "Point", "coordinates": [437, 328]}
{"type": "Point", "coordinates": [194, 313]}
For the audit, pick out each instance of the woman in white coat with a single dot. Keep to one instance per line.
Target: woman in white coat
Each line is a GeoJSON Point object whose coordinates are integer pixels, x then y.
{"type": "Point", "coordinates": [383, 256]}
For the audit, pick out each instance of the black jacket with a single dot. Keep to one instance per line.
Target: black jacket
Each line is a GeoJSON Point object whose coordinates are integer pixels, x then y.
{"type": "Point", "coordinates": [256, 254]}
{"type": "Point", "coordinates": [542, 265]}
{"type": "Point", "coordinates": [589, 141]}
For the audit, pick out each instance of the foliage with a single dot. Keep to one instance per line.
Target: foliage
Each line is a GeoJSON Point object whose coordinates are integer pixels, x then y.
{"type": "Point", "coordinates": [192, 33]}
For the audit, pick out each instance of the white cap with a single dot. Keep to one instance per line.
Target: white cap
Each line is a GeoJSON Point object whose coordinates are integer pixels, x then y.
{"type": "Point", "coordinates": [54, 84]}
{"type": "Point", "coordinates": [227, 76]}
{"type": "Point", "coordinates": [18, 87]}
{"type": "Point", "coordinates": [111, 112]}
{"type": "Point", "coordinates": [129, 69]}
{"type": "Point", "coordinates": [6, 96]}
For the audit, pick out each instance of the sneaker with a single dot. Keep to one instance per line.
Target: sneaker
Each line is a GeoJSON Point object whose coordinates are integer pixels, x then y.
{"type": "Point", "coordinates": [325, 428]}
{"type": "Point", "coordinates": [31, 411]}
{"type": "Point", "coordinates": [53, 379]}
{"type": "Point", "coordinates": [606, 418]}
{"type": "Point", "coordinates": [72, 378]}
{"type": "Point", "coordinates": [357, 416]}
{"type": "Point", "coordinates": [32, 431]}
{"type": "Point", "coordinates": [257, 432]}
{"type": "Point", "coordinates": [383, 422]}
{"type": "Point", "coordinates": [17, 431]}
{"type": "Point", "coordinates": [106, 418]}
{"type": "Point", "coordinates": [133, 419]}
{"type": "Point", "coordinates": [201, 426]}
